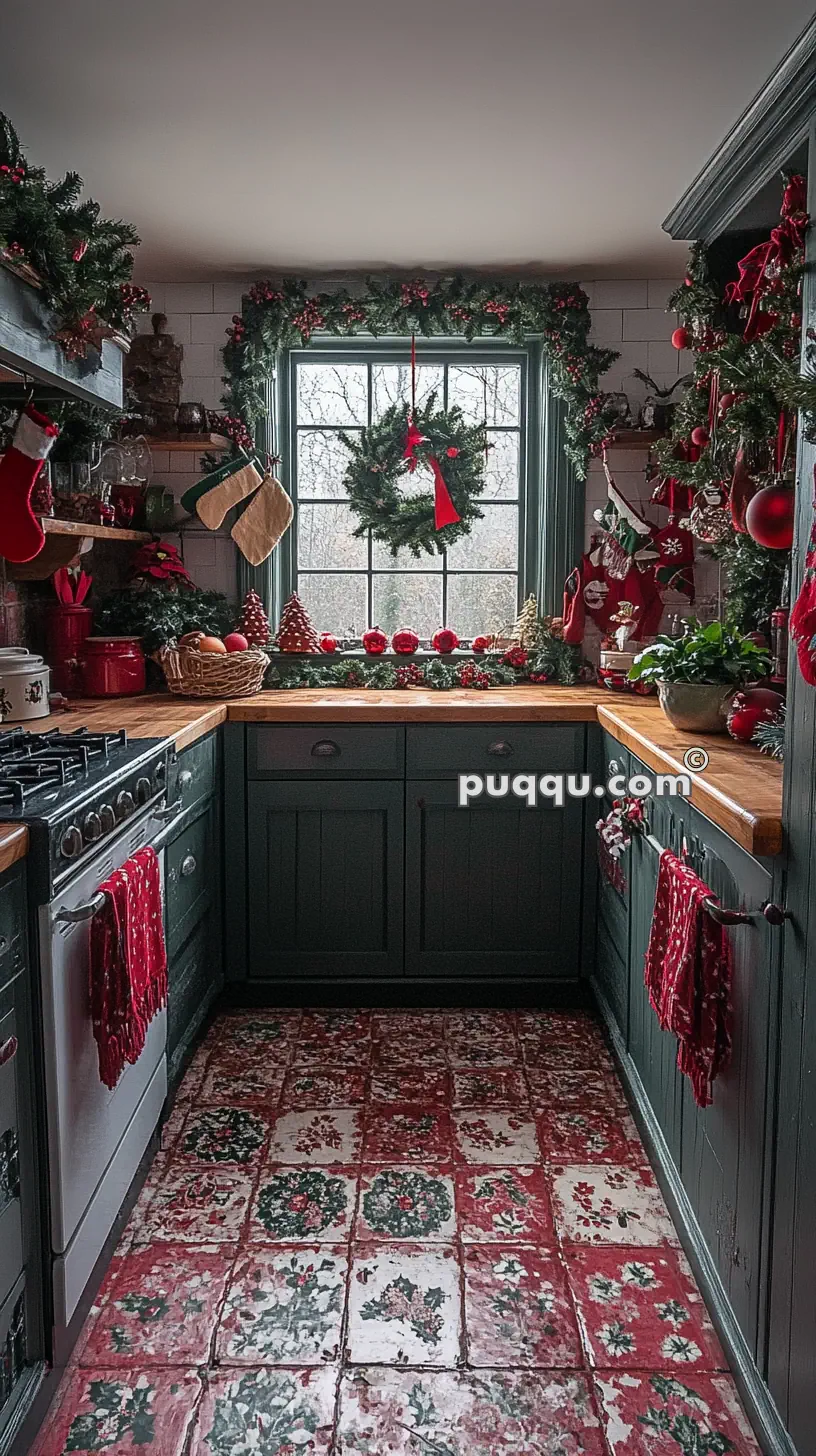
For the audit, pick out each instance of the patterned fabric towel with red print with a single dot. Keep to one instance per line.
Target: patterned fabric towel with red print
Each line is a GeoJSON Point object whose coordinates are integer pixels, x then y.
{"type": "Point", "coordinates": [688, 974]}
{"type": "Point", "coordinates": [128, 963]}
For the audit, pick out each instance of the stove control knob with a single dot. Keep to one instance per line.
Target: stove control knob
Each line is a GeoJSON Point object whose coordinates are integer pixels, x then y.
{"type": "Point", "coordinates": [107, 815]}
{"type": "Point", "coordinates": [124, 804]}
{"type": "Point", "coordinates": [91, 827]}
{"type": "Point", "coordinates": [72, 842]}
{"type": "Point", "coordinates": [144, 790]}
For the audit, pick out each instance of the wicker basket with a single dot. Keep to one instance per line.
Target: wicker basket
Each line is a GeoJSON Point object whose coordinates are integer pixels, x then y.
{"type": "Point", "coordinates": [213, 674]}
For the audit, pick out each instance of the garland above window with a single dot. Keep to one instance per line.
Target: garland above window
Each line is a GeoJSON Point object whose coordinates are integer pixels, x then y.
{"type": "Point", "coordinates": [286, 315]}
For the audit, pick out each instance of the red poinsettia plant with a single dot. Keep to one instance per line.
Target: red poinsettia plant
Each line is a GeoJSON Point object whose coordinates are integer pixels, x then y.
{"type": "Point", "coordinates": [158, 561]}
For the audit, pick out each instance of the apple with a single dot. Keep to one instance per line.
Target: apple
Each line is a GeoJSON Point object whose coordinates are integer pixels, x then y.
{"type": "Point", "coordinates": [236, 642]}
{"type": "Point", "coordinates": [211, 644]}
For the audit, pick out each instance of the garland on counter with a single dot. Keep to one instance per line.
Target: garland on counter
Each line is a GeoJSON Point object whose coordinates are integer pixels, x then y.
{"type": "Point", "coordinates": [286, 315]}
{"type": "Point", "coordinates": [556, 662]}
{"type": "Point", "coordinates": [81, 263]}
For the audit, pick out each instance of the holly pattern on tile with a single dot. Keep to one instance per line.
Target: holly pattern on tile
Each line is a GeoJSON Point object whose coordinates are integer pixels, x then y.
{"type": "Point", "coordinates": [266, 1413]}
{"type": "Point", "coordinates": [589, 1091]}
{"type": "Point", "coordinates": [104, 1412]}
{"type": "Point", "coordinates": [322, 1136]}
{"type": "Point", "coordinates": [196, 1206]}
{"type": "Point", "coordinates": [419, 1084]}
{"type": "Point", "coordinates": [496, 1137]}
{"type": "Point", "coordinates": [252, 1032]}
{"type": "Point", "coordinates": [223, 1135]}
{"type": "Point", "coordinates": [517, 1308]}
{"type": "Point", "coordinates": [294, 1205]}
{"type": "Point", "coordinates": [419, 1051]}
{"type": "Point", "coordinates": [662, 1415]}
{"type": "Point", "coordinates": [610, 1205]}
{"type": "Point", "coordinates": [405, 1203]}
{"type": "Point", "coordinates": [404, 1306]}
{"type": "Point", "coordinates": [504, 1203]}
{"type": "Point", "coordinates": [502, 1087]}
{"type": "Point", "coordinates": [466, 1051]}
{"type": "Point", "coordinates": [248, 1082]}
{"type": "Point", "coordinates": [159, 1305]}
{"type": "Point", "coordinates": [323, 1087]}
{"type": "Point", "coordinates": [406, 1134]}
{"type": "Point", "coordinates": [284, 1308]}
{"type": "Point", "coordinates": [412, 1305]}
{"type": "Point", "coordinates": [571, 1135]}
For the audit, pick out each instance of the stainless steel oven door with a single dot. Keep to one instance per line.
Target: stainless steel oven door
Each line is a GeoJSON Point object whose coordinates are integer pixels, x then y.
{"type": "Point", "coordinates": [96, 1136]}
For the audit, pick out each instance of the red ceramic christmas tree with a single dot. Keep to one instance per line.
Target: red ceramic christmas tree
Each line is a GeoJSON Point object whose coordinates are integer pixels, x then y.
{"type": "Point", "coordinates": [254, 623]}
{"type": "Point", "coordinates": [296, 633]}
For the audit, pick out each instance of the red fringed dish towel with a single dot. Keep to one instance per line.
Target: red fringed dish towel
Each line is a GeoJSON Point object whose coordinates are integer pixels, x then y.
{"type": "Point", "coordinates": [688, 975]}
{"type": "Point", "coordinates": [128, 963]}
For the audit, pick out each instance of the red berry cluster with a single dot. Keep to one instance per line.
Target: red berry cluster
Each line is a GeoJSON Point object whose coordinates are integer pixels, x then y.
{"type": "Point", "coordinates": [234, 428]}
{"type": "Point", "coordinates": [15, 250]}
{"type": "Point", "coordinates": [413, 293]}
{"type": "Point", "coordinates": [539, 677]}
{"type": "Point", "coordinates": [238, 330]}
{"type": "Point", "coordinates": [353, 314]}
{"type": "Point", "coordinates": [409, 676]}
{"type": "Point", "coordinates": [460, 314]}
{"type": "Point", "coordinates": [133, 300]}
{"type": "Point", "coordinates": [515, 657]}
{"type": "Point", "coordinates": [14, 174]}
{"type": "Point", "coordinates": [574, 366]}
{"type": "Point", "coordinates": [309, 319]}
{"type": "Point", "coordinates": [261, 293]}
{"type": "Point", "coordinates": [501, 310]}
{"type": "Point", "coordinates": [471, 676]}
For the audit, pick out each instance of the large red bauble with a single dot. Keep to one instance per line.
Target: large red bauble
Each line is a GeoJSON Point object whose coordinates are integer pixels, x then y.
{"type": "Point", "coordinates": [681, 338]}
{"type": "Point", "coordinates": [700, 436]}
{"type": "Point", "coordinates": [480, 644]}
{"type": "Point", "coordinates": [327, 642]}
{"type": "Point", "coordinates": [374, 641]}
{"type": "Point", "coordinates": [769, 517]}
{"type": "Point", "coordinates": [405, 642]}
{"type": "Point", "coordinates": [759, 698]}
{"type": "Point", "coordinates": [236, 642]}
{"type": "Point", "coordinates": [444, 640]}
{"type": "Point", "coordinates": [743, 722]}
{"type": "Point", "coordinates": [726, 401]}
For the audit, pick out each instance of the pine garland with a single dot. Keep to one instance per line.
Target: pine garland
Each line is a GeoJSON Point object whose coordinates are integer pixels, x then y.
{"type": "Point", "coordinates": [770, 737]}
{"type": "Point", "coordinates": [754, 581]}
{"type": "Point", "coordinates": [557, 662]}
{"type": "Point", "coordinates": [283, 316]}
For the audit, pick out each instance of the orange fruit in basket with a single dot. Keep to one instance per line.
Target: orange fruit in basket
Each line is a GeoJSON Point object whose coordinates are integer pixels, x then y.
{"type": "Point", "coordinates": [211, 644]}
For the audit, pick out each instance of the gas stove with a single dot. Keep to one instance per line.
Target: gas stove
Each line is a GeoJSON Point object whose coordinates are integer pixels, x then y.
{"type": "Point", "coordinates": [75, 790]}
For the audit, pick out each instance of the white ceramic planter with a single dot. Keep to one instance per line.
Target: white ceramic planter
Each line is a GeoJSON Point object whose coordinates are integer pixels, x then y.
{"type": "Point", "coordinates": [696, 707]}
{"type": "Point", "coordinates": [24, 682]}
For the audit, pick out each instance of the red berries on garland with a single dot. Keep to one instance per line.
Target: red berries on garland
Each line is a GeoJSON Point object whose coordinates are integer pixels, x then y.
{"type": "Point", "coordinates": [515, 657]}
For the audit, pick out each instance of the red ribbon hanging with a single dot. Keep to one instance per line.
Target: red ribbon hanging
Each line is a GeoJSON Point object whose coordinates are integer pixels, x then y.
{"type": "Point", "coordinates": [445, 512]}
{"type": "Point", "coordinates": [781, 246]}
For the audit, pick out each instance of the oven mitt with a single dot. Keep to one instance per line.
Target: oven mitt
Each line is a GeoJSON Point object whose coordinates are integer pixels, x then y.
{"type": "Point", "coordinates": [212, 507]}
{"type": "Point", "coordinates": [259, 528]}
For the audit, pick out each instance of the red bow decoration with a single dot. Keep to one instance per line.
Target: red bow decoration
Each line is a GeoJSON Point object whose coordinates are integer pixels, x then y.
{"type": "Point", "coordinates": [413, 438]}
{"type": "Point", "coordinates": [445, 512]}
{"type": "Point", "coordinates": [784, 242]}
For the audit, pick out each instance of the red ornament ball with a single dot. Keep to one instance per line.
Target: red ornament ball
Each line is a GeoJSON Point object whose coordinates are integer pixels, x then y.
{"type": "Point", "coordinates": [445, 640]}
{"type": "Point", "coordinates": [726, 401]}
{"type": "Point", "coordinates": [700, 436]}
{"type": "Point", "coordinates": [759, 698]}
{"type": "Point", "coordinates": [236, 642]}
{"type": "Point", "coordinates": [328, 643]}
{"type": "Point", "coordinates": [374, 641]}
{"type": "Point", "coordinates": [681, 338]}
{"type": "Point", "coordinates": [480, 644]}
{"type": "Point", "coordinates": [405, 641]}
{"type": "Point", "coordinates": [743, 721]}
{"type": "Point", "coordinates": [769, 517]}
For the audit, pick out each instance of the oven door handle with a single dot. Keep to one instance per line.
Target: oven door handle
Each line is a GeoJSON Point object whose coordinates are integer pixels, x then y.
{"type": "Point", "coordinates": [80, 913]}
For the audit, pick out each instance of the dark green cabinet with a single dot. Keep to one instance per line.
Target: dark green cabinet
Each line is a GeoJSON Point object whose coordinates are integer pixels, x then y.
{"type": "Point", "coordinates": [493, 889]}
{"type": "Point", "coordinates": [325, 879]}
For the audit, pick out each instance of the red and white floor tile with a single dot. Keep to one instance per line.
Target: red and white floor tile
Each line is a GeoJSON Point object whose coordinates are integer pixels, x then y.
{"type": "Point", "coordinates": [399, 1232]}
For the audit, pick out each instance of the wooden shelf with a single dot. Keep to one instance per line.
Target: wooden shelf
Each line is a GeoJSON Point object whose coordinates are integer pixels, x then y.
{"type": "Point", "coordinates": [634, 439]}
{"type": "Point", "coordinates": [62, 542]}
{"type": "Point", "coordinates": [189, 443]}
{"type": "Point", "coordinates": [53, 527]}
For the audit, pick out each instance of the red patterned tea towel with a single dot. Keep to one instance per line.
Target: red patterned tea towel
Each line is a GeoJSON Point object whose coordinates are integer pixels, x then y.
{"type": "Point", "coordinates": [128, 963]}
{"type": "Point", "coordinates": [688, 974]}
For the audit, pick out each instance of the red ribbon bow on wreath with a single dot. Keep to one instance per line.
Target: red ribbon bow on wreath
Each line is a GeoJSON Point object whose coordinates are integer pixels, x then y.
{"type": "Point", "coordinates": [757, 269]}
{"type": "Point", "coordinates": [445, 512]}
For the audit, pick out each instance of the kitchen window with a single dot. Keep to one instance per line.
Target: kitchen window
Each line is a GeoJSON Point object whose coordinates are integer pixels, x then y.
{"type": "Point", "coordinates": [348, 583]}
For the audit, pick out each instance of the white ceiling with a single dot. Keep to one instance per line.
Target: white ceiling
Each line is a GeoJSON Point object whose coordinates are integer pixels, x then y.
{"type": "Point", "coordinates": [245, 135]}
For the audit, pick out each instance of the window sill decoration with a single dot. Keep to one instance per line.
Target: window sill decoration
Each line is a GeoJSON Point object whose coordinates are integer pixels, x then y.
{"type": "Point", "coordinates": [554, 661]}
{"type": "Point", "coordinates": [276, 317]}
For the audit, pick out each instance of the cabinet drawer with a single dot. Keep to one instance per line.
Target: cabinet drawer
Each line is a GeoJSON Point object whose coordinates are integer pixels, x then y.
{"type": "Point", "coordinates": [191, 877]}
{"type": "Point", "coordinates": [193, 772]}
{"type": "Point", "coordinates": [192, 983]}
{"type": "Point", "coordinates": [436, 751]}
{"type": "Point", "coordinates": [326, 750]}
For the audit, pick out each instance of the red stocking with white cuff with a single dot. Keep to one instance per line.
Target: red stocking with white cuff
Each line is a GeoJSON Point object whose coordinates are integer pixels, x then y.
{"type": "Point", "coordinates": [21, 535]}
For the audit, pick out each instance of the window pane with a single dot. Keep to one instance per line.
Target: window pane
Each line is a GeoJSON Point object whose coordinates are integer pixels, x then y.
{"type": "Point", "coordinates": [382, 560]}
{"type": "Point", "coordinates": [492, 544]}
{"type": "Point", "coordinates": [391, 384]}
{"type": "Point", "coordinates": [332, 394]}
{"type": "Point", "coordinates": [481, 603]}
{"type": "Point", "coordinates": [408, 601]}
{"type": "Point", "coordinates": [502, 472]}
{"type": "Point", "coordinates": [486, 392]}
{"type": "Point", "coordinates": [335, 603]}
{"type": "Point", "coordinates": [321, 464]}
{"type": "Point", "coordinates": [324, 538]}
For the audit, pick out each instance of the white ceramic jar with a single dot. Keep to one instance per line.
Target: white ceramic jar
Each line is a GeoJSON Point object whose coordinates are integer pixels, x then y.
{"type": "Point", "coordinates": [24, 682]}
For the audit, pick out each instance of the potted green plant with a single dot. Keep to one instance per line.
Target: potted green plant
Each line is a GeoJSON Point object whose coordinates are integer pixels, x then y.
{"type": "Point", "coordinates": [697, 675]}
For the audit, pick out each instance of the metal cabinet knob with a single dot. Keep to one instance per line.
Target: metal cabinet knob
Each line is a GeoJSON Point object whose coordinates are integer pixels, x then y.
{"type": "Point", "coordinates": [8, 1050]}
{"type": "Point", "coordinates": [185, 778]}
{"type": "Point", "coordinates": [4, 944]}
{"type": "Point", "coordinates": [325, 748]}
{"type": "Point", "coordinates": [775, 914]}
{"type": "Point", "coordinates": [189, 865]}
{"type": "Point", "coordinates": [500, 749]}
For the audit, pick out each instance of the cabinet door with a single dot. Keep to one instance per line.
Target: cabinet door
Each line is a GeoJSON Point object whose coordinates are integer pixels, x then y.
{"type": "Point", "coordinates": [325, 879]}
{"type": "Point", "coordinates": [494, 889]}
{"type": "Point", "coordinates": [192, 878]}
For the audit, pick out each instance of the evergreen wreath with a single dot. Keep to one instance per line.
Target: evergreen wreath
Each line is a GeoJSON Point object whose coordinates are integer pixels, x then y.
{"type": "Point", "coordinates": [378, 470]}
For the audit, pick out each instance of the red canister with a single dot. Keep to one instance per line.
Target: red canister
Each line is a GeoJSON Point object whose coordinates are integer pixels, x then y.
{"type": "Point", "coordinates": [113, 667]}
{"type": "Point", "coordinates": [68, 627]}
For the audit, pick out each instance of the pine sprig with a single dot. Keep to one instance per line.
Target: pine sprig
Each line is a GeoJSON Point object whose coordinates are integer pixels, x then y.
{"type": "Point", "coordinates": [770, 736]}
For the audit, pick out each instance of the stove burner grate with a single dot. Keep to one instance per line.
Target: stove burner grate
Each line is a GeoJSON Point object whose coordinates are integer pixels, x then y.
{"type": "Point", "coordinates": [31, 762]}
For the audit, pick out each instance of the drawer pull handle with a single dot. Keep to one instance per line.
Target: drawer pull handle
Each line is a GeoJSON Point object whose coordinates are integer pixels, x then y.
{"type": "Point", "coordinates": [614, 767]}
{"type": "Point", "coordinates": [500, 749]}
{"type": "Point", "coordinates": [775, 914]}
{"type": "Point", "coordinates": [8, 1050]}
{"type": "Point", "coordinates": [325, 748]}
{"type": "Point", "coordinates": [4, 945]}
{"type": "Point", "coordinates": [189, 865]}
{"type": "Point", "coordinates": [185, 778]}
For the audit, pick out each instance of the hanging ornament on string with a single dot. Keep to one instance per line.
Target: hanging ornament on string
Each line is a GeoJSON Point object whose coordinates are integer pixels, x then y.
{"type": "Point", "coordinates": [769, 514]}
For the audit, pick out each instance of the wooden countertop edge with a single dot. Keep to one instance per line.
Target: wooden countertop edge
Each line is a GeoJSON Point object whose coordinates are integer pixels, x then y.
{"type": "Point", "coordinates": [758, 832]}
{"type": "Point", "coordinates": [13, 845]}
{"type": "Point", "coordinates": [211, 719]}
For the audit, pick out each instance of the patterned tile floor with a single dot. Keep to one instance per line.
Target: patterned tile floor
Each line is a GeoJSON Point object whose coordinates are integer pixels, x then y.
{"type": "Point", "coordinates": [399, 1232]}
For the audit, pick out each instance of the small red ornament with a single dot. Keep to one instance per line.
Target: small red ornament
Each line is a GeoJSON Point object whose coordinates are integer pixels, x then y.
{"type": "Point", "coordinates": [744, 720]}
{"type": "Point", "coordinates": [769, 517]}
{"type": "Point", "coordinates": [452, 452]}
{"type": "Point", "coordinates": [726, 401]}
{"type": "Point", "coordinates": [374, 641]}
{"type": "Point", "coordinates": [236, 642]}
{"type": "Point", "coordinates": [480, 644]}
{"type": "Point", "coordinates": [405, 642]}
{"type": "Point", "coordinates": [681, 338]}
{"type": "Point", "coordinates": [700, 436]}
{"type": "Point", "coordinates": [327, 642]}
{"type": "Point", "coordinates": [444, 640]}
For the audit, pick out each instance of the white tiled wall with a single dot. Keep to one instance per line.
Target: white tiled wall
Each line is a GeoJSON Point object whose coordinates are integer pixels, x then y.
{"type": "Point", "coordinates": [628, 315]}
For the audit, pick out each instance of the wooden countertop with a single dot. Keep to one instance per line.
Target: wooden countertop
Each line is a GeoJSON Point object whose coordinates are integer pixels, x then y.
{"type": "Point", "coordinates": [740, 790]}
{"type": "Point", "coordinates": [13, 845]}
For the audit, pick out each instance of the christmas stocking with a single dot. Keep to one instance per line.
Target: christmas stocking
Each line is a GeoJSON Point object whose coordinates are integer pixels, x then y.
{"type": "Point", "coordinates": [21, 535]}
{"type": "Point", "coordinates": [212, 507]}
{"type": "Point", "coordinates": [259, 528]}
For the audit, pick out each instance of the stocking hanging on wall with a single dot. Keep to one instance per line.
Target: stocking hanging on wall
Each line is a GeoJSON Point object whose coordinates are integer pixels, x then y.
{"type": "Point", "coordinates": [21, 535]}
